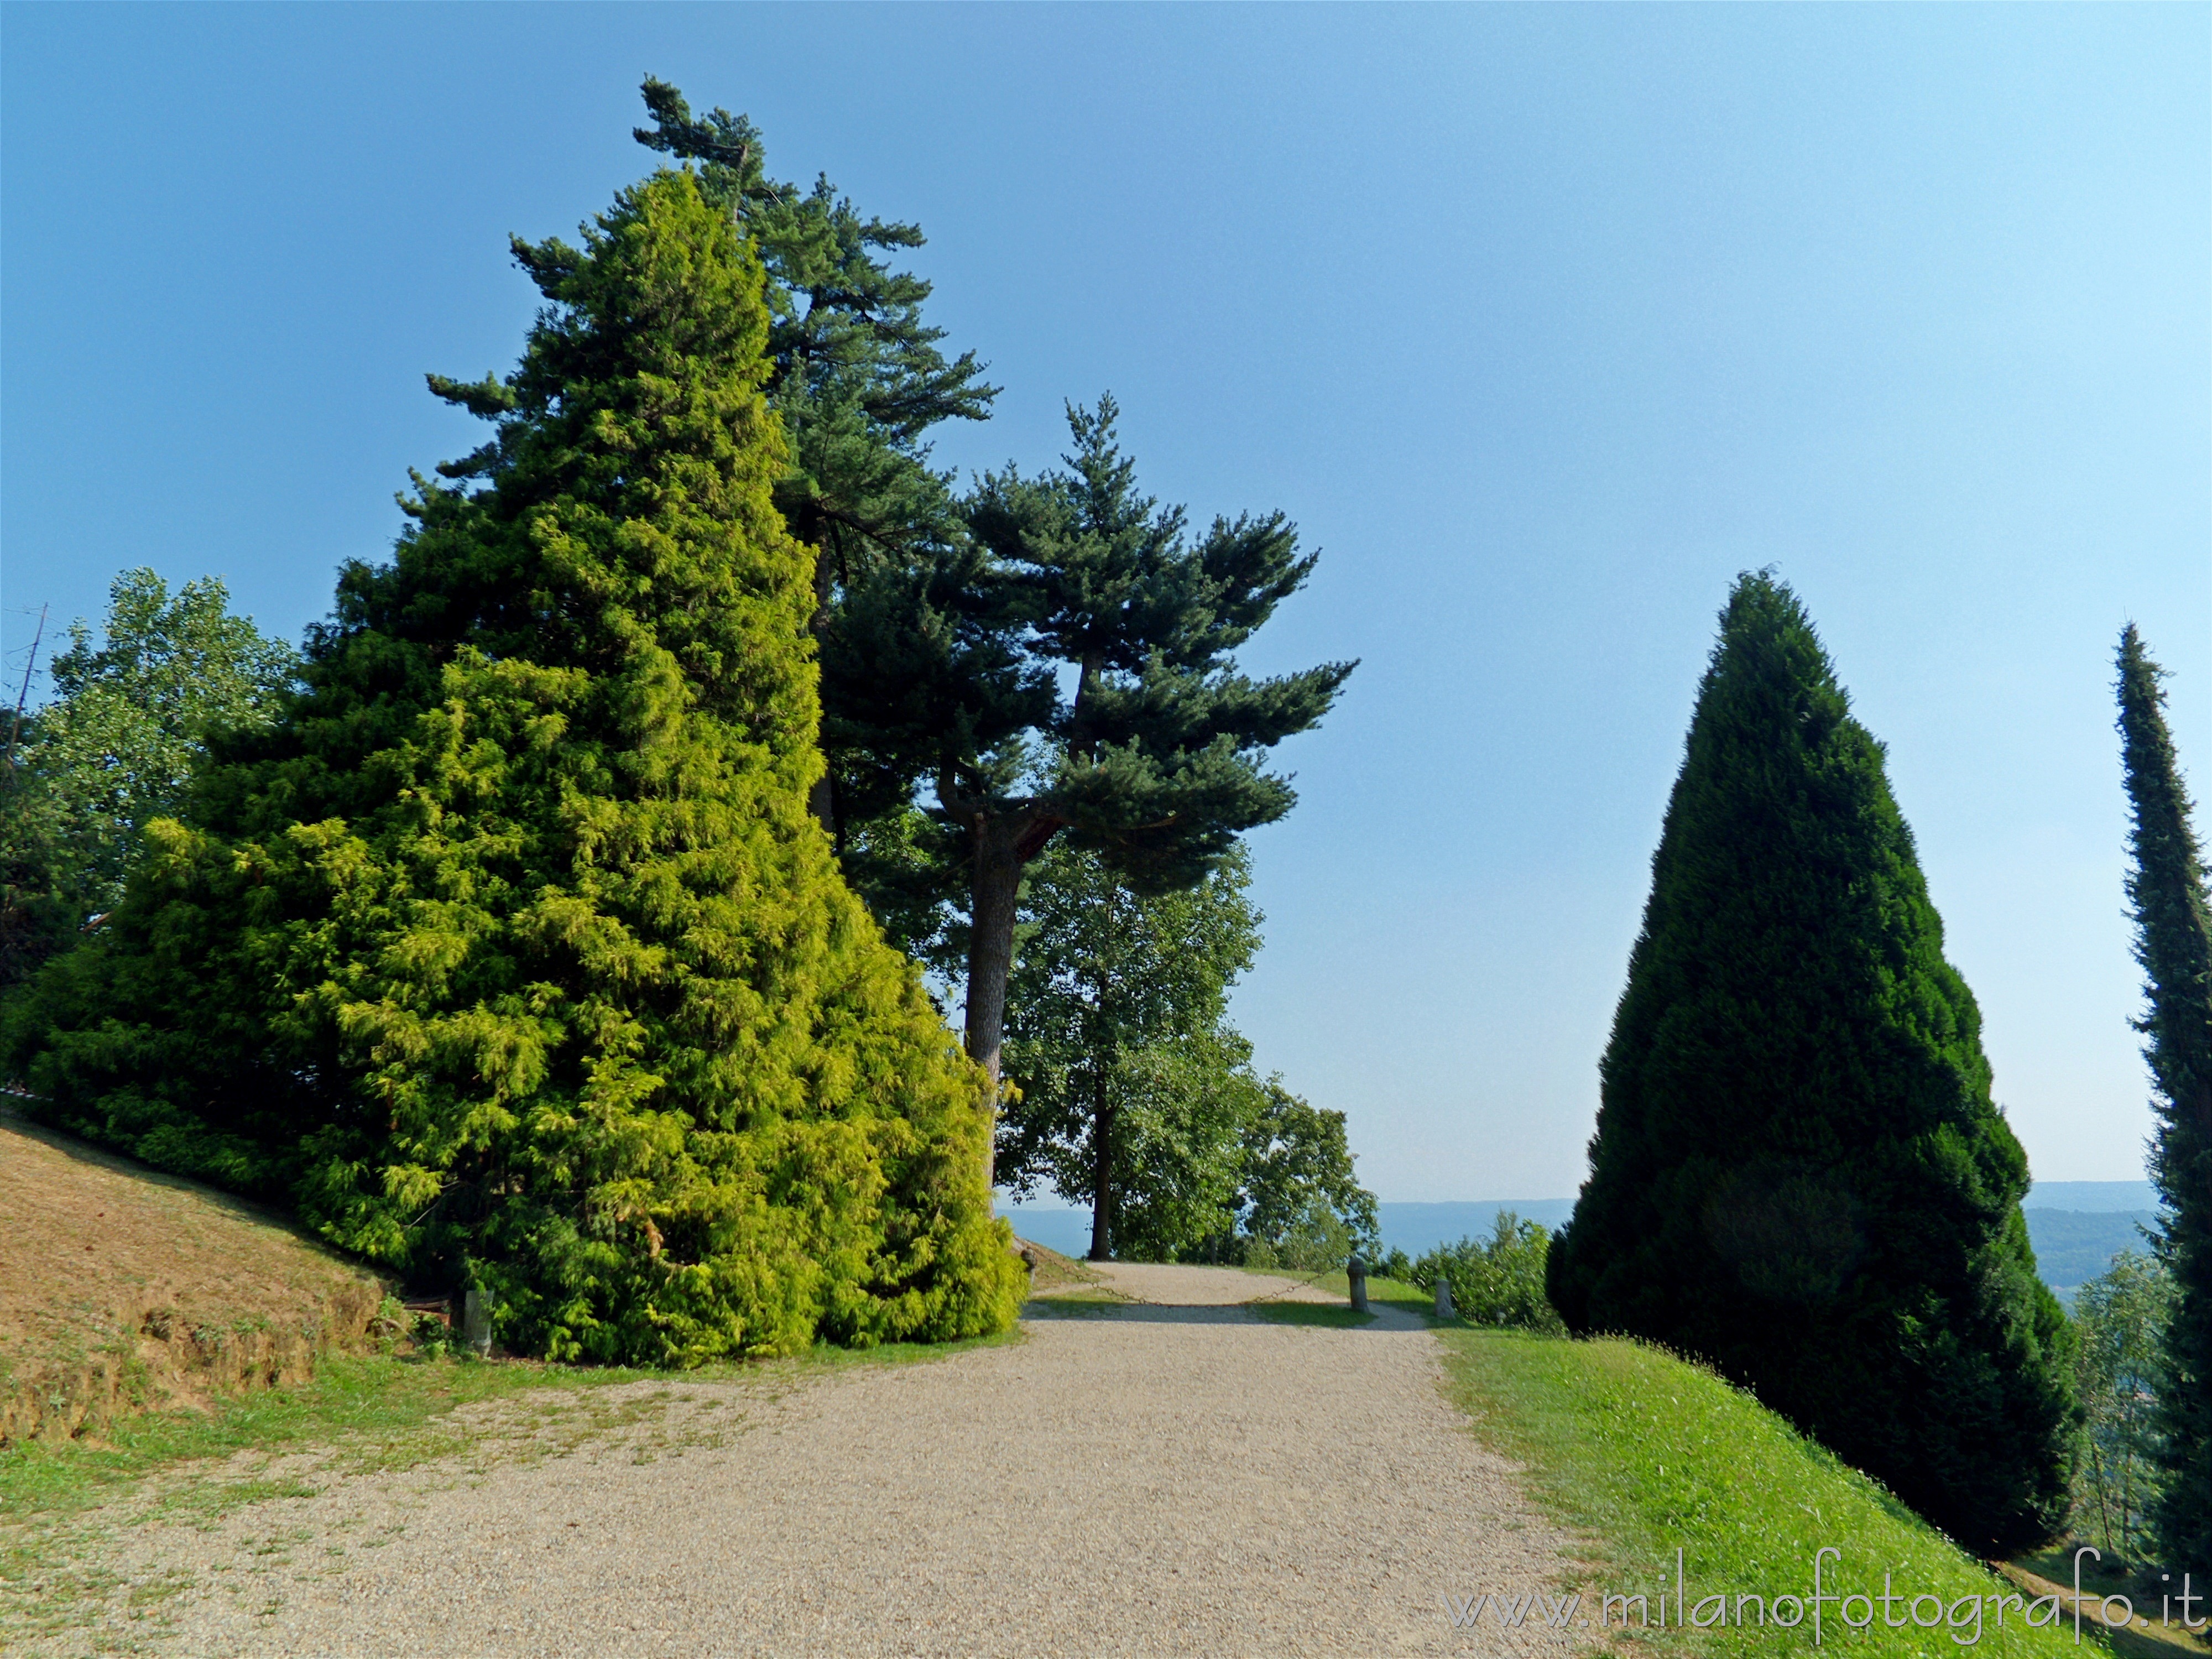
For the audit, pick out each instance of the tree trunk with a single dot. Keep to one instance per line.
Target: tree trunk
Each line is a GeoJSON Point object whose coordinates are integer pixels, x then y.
{"type": "Point", "coordinates": [1102, 1186]}
{"type": "Point", "coordinates": [1004, 843]}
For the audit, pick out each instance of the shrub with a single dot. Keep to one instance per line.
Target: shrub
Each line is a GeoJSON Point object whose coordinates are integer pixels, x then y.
{"type": "Point", "coordinates": [1494, 1281]}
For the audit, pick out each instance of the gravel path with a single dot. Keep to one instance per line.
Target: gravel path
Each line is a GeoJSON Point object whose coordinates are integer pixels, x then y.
{"type": "Point", "coordinates": [1174, 1476]}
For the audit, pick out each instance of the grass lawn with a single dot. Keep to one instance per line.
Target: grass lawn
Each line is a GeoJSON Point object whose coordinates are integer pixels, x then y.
{"type": "Point", "coordinates": [1381, 1293]}
{"type": "Point", "coordinates": [1644, 1455]}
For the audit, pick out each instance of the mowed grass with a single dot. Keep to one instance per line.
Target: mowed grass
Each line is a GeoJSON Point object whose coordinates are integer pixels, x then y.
{"type": "Point", "coordinates": [1642, 1454]}
{"type": "Point", "coordinates": [1381, 1293]}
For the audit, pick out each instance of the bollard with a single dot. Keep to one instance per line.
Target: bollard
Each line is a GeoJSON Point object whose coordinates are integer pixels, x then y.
{"type": "Point", "coordinates": [1443, 1297]}
{"type": "Point", "coordinates": [1356, 1271]}
{"type": "Point", "coordinates": [475, 1321]}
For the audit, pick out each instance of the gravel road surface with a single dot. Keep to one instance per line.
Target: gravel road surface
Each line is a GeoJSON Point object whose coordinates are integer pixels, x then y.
{"type": "Point", "coordinates": [1172, 1476]}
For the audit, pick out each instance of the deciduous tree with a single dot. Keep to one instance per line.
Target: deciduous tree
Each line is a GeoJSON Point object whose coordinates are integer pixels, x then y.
{"type": "Point", "coordinates": [1134, 1096]}
{"type": "Point", "coordinates": [116, 747]}
{"type": "Point", "coordinates": [2124, 1319]}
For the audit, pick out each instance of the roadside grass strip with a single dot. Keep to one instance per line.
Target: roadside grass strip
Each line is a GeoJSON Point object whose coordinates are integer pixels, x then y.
{"type": "Point", "coordinates": [1701, 1511]}
{"type": "Point", "coordinates": [1381, 1292]}
{"type": "Point", "coordinates": [1310, 1313]}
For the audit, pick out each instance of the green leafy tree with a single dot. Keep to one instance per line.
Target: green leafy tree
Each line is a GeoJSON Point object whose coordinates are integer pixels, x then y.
{"type": "Point", "coordinates": [2173, 942]}
{"type": "Point", "coordinates": [1133, 1095]}
{"type": "Point", "coordinates": [511, 954]}
{"type": "Point", "coordinates": [116, 746]}
{"type": "Point", "coordinates": [1298, 1169]}
{"type": "Point", "coordinates": [1120, 1037]}
{"type": "Point", "coordinates": [1313, 1239]}
{"type": "Point", "coordinates": [1798, 1171]}
{"type": "Point", "coordinates": [2122, 1318]}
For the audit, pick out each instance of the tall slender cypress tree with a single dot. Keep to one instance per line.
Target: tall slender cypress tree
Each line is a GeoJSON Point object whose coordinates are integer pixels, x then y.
{"type": "Point", "coordinates": [2173, 942]}
{"type": "Point", "coordinates": [512, 954]}
{"type": "Point", "coordinates": [1798, 1171]}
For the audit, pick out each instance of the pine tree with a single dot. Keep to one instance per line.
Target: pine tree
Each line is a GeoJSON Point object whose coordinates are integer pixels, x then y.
{"type": "Point", "coordinates": [1155, 762]}
{"type": "Point", "coordinates": [512, 955]}
{"type": "Point", "coordinates": [2173, 942]}
{"type": "Point", "coordinates": [859, 380]}
{"type": "Point", "coordinates": [1798, 1171]}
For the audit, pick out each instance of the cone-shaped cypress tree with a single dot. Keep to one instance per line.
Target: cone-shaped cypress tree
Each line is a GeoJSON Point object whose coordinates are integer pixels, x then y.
{"type": "Point", "coordinates": [2173, 942]}
{"type": "Point", "coordinates": [512, 954]}
{"type": "Point", "coordinates": [1798, 1173]}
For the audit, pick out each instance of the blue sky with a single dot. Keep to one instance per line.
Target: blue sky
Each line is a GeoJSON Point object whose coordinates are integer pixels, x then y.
{"type": "Point", "coordinates": [1543, 322]}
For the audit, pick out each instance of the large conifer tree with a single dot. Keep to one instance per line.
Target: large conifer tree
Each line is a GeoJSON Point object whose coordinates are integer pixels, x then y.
{"type": "Point", "coordinates": [2173, 942]}
{"type": "Point", "coordinates": [1798, 1172]}
{"type": "Point", "coordinates": [512, 955]}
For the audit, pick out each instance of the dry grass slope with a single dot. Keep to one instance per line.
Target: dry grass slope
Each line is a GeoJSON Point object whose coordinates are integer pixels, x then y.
{"type": "Point", "coordinates": [124, 1289]}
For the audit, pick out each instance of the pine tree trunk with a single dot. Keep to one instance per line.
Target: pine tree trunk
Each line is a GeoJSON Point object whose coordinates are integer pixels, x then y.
{"type": "Point", "coordinates": [1004, 843]}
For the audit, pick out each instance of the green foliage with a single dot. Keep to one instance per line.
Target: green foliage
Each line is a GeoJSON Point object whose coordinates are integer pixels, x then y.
{"type": "Point", "coordinates": [1120, 1037]}
{"type": "Point", "coordinates": [1119, 1048]}
{"type": "Point", "coordinates": [1155, 762]}
{"type": "Point", "coordinates": [1157, 756]}
{"type": "Point", "coordinates": [511, 954]}
{"type": "Point", "coordinates": [1309, 1238]}
{"type": "Point", "coordinates": [116, 748]}
{"type": "Point", "coordinates": [1642, 1455]}
{"type": "Point", "coordinates": [859, 380]}
{"type": "Point", "coordinates": [2173, 942]}
{"type": "Point", "coordinates": [1798, 1172]}
{"type": "Point", "coordinates": [1298, 1176]}
{"type": "Point", "coordinates": [2121, 1318]}
{"type": "Point", "coordinates": [1498, 1281]}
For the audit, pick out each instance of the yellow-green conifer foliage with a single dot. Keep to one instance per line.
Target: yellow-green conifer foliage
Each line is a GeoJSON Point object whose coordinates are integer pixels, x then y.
{"type": "Point", "coordinates": [512, 955]}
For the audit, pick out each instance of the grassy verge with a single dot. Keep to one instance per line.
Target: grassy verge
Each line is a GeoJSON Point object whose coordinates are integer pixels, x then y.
{"type": "Point", "coordinates": [1644, 1455]}
{"type": "Point", "coordinates": [61, 1506]}
{"type": "Point", "coordinates": [1381, 1293]}
{"type": "Point", "coordinates": [1310, 1313]}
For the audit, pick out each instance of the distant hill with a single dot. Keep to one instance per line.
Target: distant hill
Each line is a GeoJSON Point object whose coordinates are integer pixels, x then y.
{"type": "Point", "coordinates": [2098, 1196]}
{"type": "Point", "coordinates": [2074, 1246]}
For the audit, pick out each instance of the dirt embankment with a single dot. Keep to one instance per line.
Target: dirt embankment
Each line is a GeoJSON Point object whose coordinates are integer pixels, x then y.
{"type": "Point", "coordinates": [123, 1290]}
